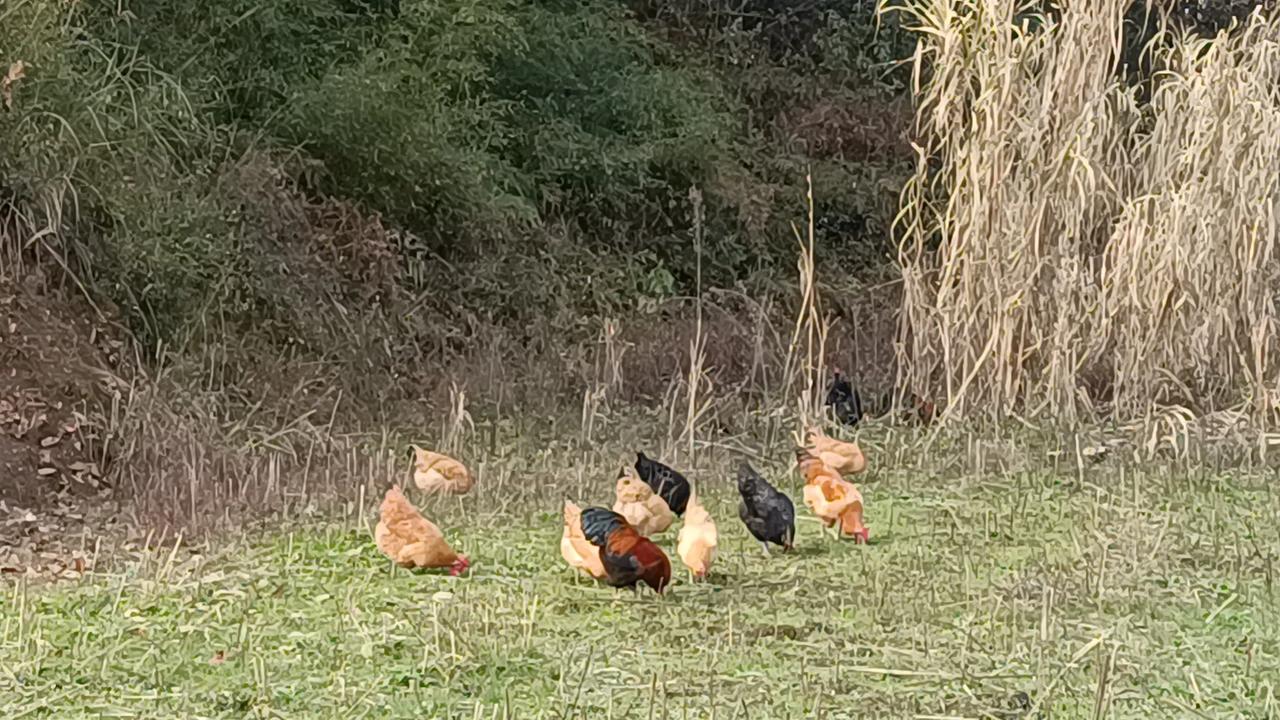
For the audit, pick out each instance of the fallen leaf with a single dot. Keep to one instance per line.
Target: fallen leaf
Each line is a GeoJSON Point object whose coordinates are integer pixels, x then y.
{"type": "Point", "coordinates": [50, 441]}
{"type": "Point", "coordinates": [17, 71]}
{"type": "Point", "coordinates": [218, 658]}
{"type": "Point", "coordinates": [80, 466]}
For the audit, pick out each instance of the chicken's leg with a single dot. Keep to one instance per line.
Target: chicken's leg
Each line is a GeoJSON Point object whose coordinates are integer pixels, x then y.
{"type": "Point", "coordinates": [765, 546]}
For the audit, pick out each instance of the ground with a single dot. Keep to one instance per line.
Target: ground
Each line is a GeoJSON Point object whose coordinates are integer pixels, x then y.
{"type": "Point", "coordinates": [1129, 593]}
{"type": "Point", "coordinates": [57, 355]}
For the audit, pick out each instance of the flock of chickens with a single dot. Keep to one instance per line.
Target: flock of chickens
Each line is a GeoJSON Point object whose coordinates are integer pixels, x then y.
{"type": "Point", "coordinates": [614, 545]}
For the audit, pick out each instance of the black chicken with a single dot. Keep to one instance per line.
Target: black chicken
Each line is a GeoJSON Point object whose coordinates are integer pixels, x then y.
{"type": "Point", "coordinates": [767, 513]}
{"type": "Point", "coordinates": [843, 399]}
{"type": "Point", "coordinates": [668, 484]}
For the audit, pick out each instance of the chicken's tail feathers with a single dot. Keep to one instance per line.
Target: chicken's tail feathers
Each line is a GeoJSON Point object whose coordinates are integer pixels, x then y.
{"type": "Point", "coordinates": [598, 523]}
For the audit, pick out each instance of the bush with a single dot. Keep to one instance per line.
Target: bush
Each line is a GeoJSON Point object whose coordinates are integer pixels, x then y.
{"type": "Point", "coordinates": [558, 137]}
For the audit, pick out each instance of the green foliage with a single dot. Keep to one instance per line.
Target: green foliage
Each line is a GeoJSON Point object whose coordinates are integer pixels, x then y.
{"type": "Point", "coordinates": [251, 55]}
{"type": "Point", "coordinates": [554, 137]}
{"type": "Point", "coordinates": [110, 151]}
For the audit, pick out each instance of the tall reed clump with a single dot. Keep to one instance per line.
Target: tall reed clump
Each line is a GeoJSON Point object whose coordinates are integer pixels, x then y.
{"type": "Point", "coordinates": [1077, 242]}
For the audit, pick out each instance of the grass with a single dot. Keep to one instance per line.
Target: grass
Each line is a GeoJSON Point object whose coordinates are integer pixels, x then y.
{"type": "Point", "coordinates": [1112, 593]}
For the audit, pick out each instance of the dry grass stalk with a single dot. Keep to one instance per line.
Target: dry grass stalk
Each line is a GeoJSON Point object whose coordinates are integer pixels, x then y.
{"type": "Point", "coordinates": [1069, 247]}
{"type": "Point", "coordinates": [698, 398]}
{"type": "Point", "coordinates": [457, 422]}
{"type": "Point", "coordinates": [806, 354]}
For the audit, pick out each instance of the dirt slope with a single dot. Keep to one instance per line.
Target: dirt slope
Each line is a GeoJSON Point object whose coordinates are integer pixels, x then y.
{"type": "Point", "coordinates": [56, 385]}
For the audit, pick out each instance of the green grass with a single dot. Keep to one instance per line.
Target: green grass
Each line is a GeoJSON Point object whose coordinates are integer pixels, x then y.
{"type": "Point", "coordinates": [1118, 595]}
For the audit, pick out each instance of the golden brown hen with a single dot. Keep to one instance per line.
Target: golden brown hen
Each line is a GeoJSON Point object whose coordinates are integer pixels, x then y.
{"type": "Point", "coordinates": [411, 540]}
{"type": "Point", "coordinates": [434, 472]}
{"type": "Point", "coordinates": [832, 498]}
{"type": "Point", "coordinates": [845, 458]}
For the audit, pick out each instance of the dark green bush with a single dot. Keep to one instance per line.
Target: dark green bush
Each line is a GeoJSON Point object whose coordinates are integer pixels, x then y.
{"type": "Point", "coordinates": [560, 138]}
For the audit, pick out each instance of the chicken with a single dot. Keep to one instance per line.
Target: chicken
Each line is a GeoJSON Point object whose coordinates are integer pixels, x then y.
{"type": "Point", "coordinates": [843, 399]}
{"type": "Point", "coordinates": [636, 502]}
{"type": "Point", "coordinates": [845, 458]}
{"type": "Point", "coordinates": [628, 557]}
{"type": "Point", "coordinates": [437, 473]}
{"type": "Point", "coordinates": [835, 501]}
{"type": "Point", "coordinates": [767, 513]}
{"type": "Point", "coordinates": [924, 410]}
{"type": "Point", "coordinates": [574, 546]}
{"type": "Point", "coordinates": [696, 543]}
{"type": "Point", "coordinates": [670, 485]}
{"type": "Point", "coordinates": [411, 540]}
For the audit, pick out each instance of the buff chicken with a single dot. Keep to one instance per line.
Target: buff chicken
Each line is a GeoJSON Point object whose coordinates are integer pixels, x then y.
{"type": "Point", "coordinates": [411, 540]}
{"type": "Point", "coordinates": [834, 500]}
{"type": "Point", "coordinates": [434, 472]}
{"type": "Point", "coordinates": [696, 543]}
{"type": "Point", "coordinates": [647, 512]}
{"type": "Point", "coordinates": [845, 458]}
{"type": "Point", "coordinates": [574, 546]}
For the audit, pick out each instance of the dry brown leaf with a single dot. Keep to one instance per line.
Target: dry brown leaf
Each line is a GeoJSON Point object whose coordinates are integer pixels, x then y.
{"type": "Point", "coordinates": [17, 71]}
{"type": "Point", "coordinates": [218, 658]}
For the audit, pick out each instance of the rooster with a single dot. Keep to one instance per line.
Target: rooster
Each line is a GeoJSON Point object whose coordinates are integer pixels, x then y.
{"type": "Point", "coordinates": [437, 473]}
{"type": "Point", "coordinates": [845, 458]}
{"type": "Point", "coordinates": [670, 485]}
{"type": "Point", "coordinates": [767, 513]}
{"type": "Point", "coordinates": [411, 540]}
{"type": "Point", "coordinates": [835, 501]}
{"type": "Point", "coordinates": [843, 399]}
{"type": "Point", "coordinates": [628, 557]}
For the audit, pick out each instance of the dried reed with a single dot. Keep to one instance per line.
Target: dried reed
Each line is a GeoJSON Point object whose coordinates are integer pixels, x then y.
{"type": "Point", "coordinates": [1075, 245]}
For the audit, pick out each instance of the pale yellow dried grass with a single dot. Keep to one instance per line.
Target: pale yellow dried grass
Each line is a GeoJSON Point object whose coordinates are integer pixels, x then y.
{"type": "Point", "coordinates": [1073, 249]}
